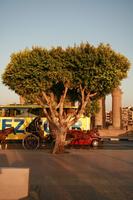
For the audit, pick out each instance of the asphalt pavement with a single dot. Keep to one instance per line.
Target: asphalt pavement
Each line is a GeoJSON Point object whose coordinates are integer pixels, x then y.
{"type": "Point", "coordinates": [104, 173]}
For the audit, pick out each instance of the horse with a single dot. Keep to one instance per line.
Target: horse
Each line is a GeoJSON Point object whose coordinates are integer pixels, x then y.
{"type": "Point", "coordinates": [4, 133]}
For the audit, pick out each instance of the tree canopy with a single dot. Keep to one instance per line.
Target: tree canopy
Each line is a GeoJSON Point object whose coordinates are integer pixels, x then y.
{"type": "Point", "coordinates": [57, 75]}
{"type": "Point", "coordinates": [38, 69]}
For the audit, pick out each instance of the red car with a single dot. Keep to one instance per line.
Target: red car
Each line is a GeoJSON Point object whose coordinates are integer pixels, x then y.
{"type": "Point", "coordinates": [80, 137]}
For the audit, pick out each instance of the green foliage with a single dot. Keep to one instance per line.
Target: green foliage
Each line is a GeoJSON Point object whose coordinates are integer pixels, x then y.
{"type": "Point", "coordinates": [98, 69]}
{"type": "Point", "coordinates": [92, 108]}
{"type": "Point", "coordinates": [112, 67]}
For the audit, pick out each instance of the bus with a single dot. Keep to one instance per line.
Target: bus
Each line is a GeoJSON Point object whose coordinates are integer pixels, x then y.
{"type": "Point", "coordinates": [19, 116]}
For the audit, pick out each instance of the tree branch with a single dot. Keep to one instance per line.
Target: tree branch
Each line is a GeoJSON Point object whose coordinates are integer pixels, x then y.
{"type": "Point", "coordinates": [81, 108]}
{"type": "Point", "coordinates": [61, 103]}
{"type": "Point", "coordinates": [39, 101]}
{"type": "Point", "coordinates": [51, 108]}
{"type": "Point", "coordinates": [45, 97]}
{"type": "Point", "coordinates": [82, 94]}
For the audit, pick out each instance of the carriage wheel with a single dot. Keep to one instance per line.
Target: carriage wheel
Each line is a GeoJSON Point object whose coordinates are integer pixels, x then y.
{"type": "Point", "coordinates": [31, 142]}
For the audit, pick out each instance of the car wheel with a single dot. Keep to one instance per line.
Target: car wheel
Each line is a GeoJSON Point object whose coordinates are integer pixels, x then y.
{"type": "Point", "coordinates": [95, 143]}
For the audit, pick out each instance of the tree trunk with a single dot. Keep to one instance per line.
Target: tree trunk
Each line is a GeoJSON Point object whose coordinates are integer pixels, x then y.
{"type": "Point", "coordinates": [60, 137]}
{"type": "Point", "coordinates": [59, 144]}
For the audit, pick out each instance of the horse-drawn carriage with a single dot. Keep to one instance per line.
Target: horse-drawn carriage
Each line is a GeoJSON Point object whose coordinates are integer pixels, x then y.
{"type": "Point", "coordinates": [34, 136]}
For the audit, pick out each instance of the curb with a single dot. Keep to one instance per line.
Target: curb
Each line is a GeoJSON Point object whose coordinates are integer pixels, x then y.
{"type": "Point", "coordinates": [117, 139]}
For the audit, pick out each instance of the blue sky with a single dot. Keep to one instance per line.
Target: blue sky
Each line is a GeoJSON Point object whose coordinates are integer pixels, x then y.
{"type": "Point", "coordinates": [47, 23]}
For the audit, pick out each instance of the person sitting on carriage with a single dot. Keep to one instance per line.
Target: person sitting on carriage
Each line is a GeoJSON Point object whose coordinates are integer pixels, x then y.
{"type": "Point", "coordinates": [35, 127]}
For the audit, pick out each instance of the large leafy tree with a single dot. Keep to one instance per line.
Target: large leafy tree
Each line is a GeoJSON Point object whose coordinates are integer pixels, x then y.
{"type": "Point", "coordinates": [56, 76]}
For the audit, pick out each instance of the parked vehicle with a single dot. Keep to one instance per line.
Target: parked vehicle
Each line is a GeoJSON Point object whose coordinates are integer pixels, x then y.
{"type": "Point", "coordinates": [20, 116]}
{"type": "Point", "coordinates": [80, 137]}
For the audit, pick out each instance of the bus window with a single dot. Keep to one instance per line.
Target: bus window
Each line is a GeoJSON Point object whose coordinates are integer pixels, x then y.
{"type": "Point", "coordinates": [9, 112]}
{"type": "Point", "coordinates": [36, 112]}
{"type": "Point", "coordinates": [21, 112]}
{"type": "Point", "coordinates": [2, 113]}
{"type": "Point", "coordinates": [29, 112]}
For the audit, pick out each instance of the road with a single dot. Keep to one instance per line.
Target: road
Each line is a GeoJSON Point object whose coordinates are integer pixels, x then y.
{"type": "Point", "coordinates": [105, 173]}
